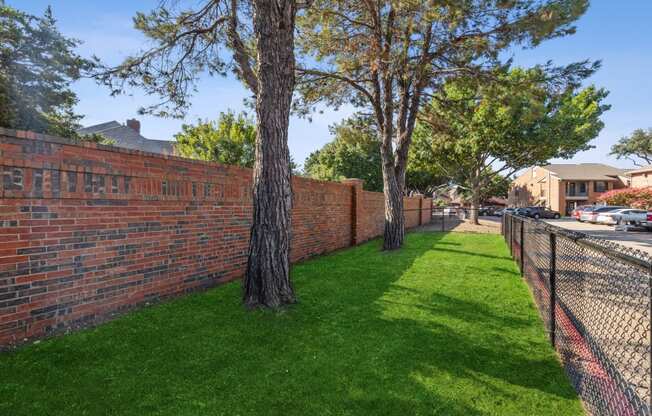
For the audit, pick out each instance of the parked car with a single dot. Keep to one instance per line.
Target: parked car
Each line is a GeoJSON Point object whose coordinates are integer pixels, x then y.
{"type": "Point", "coordinates": [648, 221]}
{"type": "Point", "coordinates": [622, 216]}
{"type": "Point", "coordinates": [504, 211]}
{"type": "Point", "coordinates": [538, 212]}
{"type": "Point", "coordinates": [591, 214]}
{"type": "Point", "coordinates": [578, 210]}
{"type": "Point", "coordinates": [498, 212]}
{"type": "Point", "coordinates": [489, 210]}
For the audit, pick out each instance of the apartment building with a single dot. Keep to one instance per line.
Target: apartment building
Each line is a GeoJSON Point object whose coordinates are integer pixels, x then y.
{"type": "Point", "coordinates": [640, 178]}
{"type": "Point", "coordinates": [562, 187]}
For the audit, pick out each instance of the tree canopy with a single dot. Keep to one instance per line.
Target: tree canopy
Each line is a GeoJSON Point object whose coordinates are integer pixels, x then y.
{"type": "Point", "coordinates": [636, 147]}
{"type": "Point", "coordinates": [354, 153]}
{"type": "Point", "coordinates": [390, 57]}
{"type": "Point", "coordinates": [37, 66]}
{"type": "Point", "coordinates": [475, 131]}
{"type": "Point", "coordinates": [230, 140]}
{"type": "Point", "coordinates": [210, 36]}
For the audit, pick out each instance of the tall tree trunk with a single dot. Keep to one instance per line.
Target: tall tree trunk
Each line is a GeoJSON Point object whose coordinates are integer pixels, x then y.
{"type": "Point", "coordinates": [475, 184]}
{"type": "Point", "coordinates": [475, 204]}
{"type": "Point", "coordinates": [267, 280]}
{"type": "Point", "coordinates": [394, 218]}
{"type": "Point", "coordinates": [393, 195]}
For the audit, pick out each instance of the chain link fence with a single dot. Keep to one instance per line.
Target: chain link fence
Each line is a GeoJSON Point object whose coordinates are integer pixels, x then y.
{"type": "Point", "coordinates": [448, 217]}
{"type": "Point", "coordinates": [594, 298]}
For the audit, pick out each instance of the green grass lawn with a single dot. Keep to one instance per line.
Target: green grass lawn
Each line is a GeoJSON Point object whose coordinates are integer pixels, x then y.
{"type": "Point", "coordinates": [443, 326]}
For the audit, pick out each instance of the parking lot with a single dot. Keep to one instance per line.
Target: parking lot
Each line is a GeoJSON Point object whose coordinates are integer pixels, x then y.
{"type": "Point", "coordinates": [641, 240]}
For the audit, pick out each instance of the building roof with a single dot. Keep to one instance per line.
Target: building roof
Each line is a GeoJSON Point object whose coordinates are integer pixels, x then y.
{"type": "Point", "coordinates": [585, 171]}
{"type": "Point", "coordinates": [643, 169]}
{"type": "Point", "coordinates": [129, 138]}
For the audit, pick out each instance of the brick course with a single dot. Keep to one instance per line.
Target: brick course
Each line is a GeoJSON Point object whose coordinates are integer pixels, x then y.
{"type": "Point", "coordinates": [87, 230]}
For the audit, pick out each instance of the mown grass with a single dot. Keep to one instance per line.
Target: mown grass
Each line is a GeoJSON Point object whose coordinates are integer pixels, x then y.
{"type": "Point", "coordinates": [443, 326]}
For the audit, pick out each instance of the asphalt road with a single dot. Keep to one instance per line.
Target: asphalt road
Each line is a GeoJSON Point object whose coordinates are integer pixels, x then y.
{"type": "Point", "coordinates": [641, 240]}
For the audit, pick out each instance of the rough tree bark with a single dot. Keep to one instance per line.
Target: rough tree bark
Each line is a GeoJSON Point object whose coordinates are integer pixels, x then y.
{"type": "Point", "coordinates": [267, 280]}
{"type": "Point", "coordinates": [393, 194]}
{"type": "Point", "coordinates": [475, 204]}
{"type": "Point", "coordinates": [392, 182]}
{"type": "Point", "coordinates": [410, 89]}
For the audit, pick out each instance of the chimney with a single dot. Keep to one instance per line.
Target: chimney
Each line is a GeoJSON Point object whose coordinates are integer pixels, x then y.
{"type": "Point", "coordinates": [134, 124]}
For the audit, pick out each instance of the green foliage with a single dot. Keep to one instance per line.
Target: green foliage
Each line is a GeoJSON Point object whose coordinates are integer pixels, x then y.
{"type": "Point", "coordinates": [353, 153]}
{"type": "Point", "coordinates": [349, 42]}
{"type": "Point", "coordinates": [230, 140]}
{"type": "Point", "coordinates": [422, 174]}
{"type": "Point", "coordinates": [636, 146]}
{"type": "Point", "coordinates": [37, 66]}
{"type": "Point", "coordinates": [477, 130]}
{"type": "Point", "coordinates": [445, 326]}
{"type": "Point", "coordinates": [498, 186]}
{"type": "Point", "coordinates": [389, 57]}
{"type": "Point", "coordinates": [94, 138]}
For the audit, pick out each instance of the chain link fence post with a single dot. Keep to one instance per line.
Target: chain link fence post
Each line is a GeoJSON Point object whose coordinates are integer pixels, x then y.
{"type": "Point", "coordinates": [522, 243]}
{"type": "Point", "coordinates": [553, 287]}
{"type": "Point", "coordinates": [511, 235]}
{"type": "Point", "coordinates": [443, 220]}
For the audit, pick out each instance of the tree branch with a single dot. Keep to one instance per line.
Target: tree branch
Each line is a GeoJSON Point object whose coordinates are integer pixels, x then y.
{"type": "Point", "coordinates": [324, 74]}
{"type": "Point", "coordinates": [240, 53]}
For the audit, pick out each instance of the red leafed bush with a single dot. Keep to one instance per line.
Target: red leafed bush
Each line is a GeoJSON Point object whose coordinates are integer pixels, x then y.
{"type": "Point", "coordinates": [633, 197]}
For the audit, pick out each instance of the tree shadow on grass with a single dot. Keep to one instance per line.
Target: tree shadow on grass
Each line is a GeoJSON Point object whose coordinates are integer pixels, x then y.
{"type": "Point", "coordinates": [470, 253]}
{"type": "Point", "coordinates": [374, 334]}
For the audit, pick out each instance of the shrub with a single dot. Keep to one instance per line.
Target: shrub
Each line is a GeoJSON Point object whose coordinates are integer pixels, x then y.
{"type": "Point", "coordinates": [634, 197]}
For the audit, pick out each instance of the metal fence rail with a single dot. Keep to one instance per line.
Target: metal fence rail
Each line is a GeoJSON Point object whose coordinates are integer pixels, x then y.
{"type": "Point", "coordinates": [594, 298]}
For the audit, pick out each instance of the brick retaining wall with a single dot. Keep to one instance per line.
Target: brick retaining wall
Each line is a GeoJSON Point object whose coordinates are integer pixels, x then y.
{"type": "Point", "coordinates": [88, 230]}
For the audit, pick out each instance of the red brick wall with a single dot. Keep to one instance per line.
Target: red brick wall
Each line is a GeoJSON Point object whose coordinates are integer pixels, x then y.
{"type": "Point", "coordinates": [90, 230]}
{"type": "Point", "coordinates": [373, 222]}
{"type": "Point", "coordinates": [411, 211]}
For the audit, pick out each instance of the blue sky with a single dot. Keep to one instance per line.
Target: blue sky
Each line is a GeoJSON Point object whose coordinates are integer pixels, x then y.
{"type": "Point", "coordinates": [617, 32]}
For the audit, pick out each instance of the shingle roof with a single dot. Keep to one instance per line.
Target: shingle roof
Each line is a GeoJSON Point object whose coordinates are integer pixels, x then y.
{"type": "Point", "coordinates": [129, 138]}
{"type": "Point", "coordinates": [585, 171]}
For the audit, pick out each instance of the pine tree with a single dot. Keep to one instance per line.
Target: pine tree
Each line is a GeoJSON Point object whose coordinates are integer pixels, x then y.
{"type": "Point", "coordinates": [37, 66]}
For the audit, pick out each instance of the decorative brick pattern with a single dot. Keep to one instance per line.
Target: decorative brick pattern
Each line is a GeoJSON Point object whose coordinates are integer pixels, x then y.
{"type": "Point", "coordinates": [87, 230]}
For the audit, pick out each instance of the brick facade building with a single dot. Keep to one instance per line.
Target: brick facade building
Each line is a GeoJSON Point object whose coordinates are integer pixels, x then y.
{"type": "Point", "coordinates": [562, 187]}
{"type": "Point", "coordinates": [641, 177]}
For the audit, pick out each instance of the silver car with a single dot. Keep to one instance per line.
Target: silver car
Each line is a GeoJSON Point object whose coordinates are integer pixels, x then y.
{"type": "Point", "coordinates": [591, 214]}
{"type": "Point", "coordinates": [622, 216]}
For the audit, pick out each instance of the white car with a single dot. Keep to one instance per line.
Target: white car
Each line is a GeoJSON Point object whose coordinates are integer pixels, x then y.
{"type": "Point", "coordinates": [622, 216]}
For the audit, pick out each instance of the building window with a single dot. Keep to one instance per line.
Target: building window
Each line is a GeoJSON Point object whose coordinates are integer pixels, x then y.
{"type": "Point", "coordinates": [600, 186]}
{"type": "Point", "coordinates": [582, 188]}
